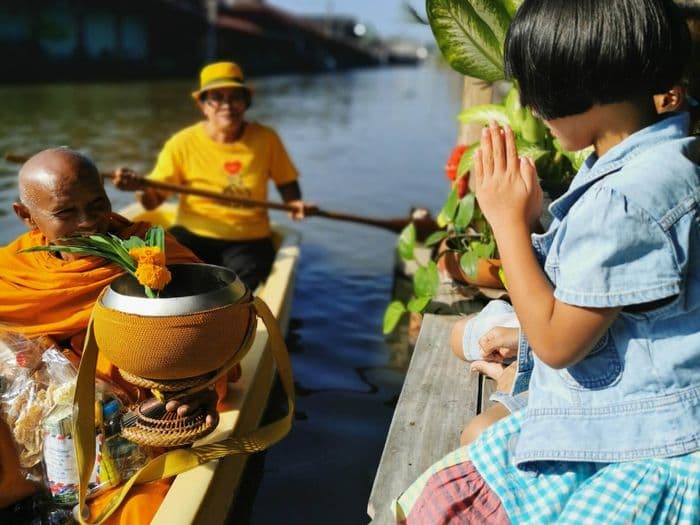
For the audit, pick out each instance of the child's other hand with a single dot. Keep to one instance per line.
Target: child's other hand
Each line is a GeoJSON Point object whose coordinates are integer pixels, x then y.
{"type": "Point", "coordinates": [499, 343]}
{"type": "Point", "coordinates": [506, 186]}
{"type": "Point", "coordinates": [503, 375]}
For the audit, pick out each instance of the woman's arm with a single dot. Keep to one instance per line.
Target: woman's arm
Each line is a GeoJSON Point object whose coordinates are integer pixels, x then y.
{"type": "Point", "coordinates": [291, 194]}
{"type": "Point", "coordinates": [128, 180]}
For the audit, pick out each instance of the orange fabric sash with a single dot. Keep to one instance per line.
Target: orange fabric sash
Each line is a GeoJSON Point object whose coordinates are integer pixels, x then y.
{"type": "Point", "coordinates": [41, 294]}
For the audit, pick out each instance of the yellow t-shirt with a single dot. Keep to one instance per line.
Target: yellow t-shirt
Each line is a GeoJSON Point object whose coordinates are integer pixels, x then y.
{"type": "Point", "coordinates": [241, 168]}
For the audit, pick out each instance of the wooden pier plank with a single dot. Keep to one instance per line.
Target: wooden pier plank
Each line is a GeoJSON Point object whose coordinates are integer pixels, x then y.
{"type": "Point", "coordinates": [438, 398]}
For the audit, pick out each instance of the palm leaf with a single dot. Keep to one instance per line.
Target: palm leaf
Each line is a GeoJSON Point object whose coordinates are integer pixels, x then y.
{"type": "Point", "coordinates": [82, 250]}
{"type": "Point", "coordinates": [121, 250]}
{"type": "Point", "coordinates": [133, 242]}
{"type": "Point", "coordinates": [111, 244]}
{"type": "Point", "coordinates": [155, 236]}
{"type": "Point", "coordinates": [470, 34]}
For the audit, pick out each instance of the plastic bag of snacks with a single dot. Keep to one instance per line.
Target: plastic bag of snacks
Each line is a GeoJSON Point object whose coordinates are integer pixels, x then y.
{"type": "Point", "coordinates": [37, 384]}
{"type": "Point", "coordinates": [33, 379]}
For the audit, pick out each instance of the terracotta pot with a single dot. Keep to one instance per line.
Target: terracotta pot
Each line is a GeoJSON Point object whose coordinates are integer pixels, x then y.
{"type": "Point", "coordinates": [486, 270]}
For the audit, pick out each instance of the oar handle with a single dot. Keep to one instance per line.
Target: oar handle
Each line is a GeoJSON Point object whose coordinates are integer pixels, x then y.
{"type": "Point", "coordinates": [424, 225]}
{"type": "Point", "coordinates": [395, 225]}
{"type": "Point", "coordinates": [235, 199]}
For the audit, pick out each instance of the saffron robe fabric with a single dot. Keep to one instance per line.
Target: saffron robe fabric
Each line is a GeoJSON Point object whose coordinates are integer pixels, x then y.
{"type": "Point", "coordinates": [41, 294]}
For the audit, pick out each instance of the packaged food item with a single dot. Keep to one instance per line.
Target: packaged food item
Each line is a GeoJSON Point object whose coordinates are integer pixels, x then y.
{"type": "Point", "coordinates": [61, 466]}
{"type": "Point", "coordinates": [33, 380]}
{"type": "Point", "coordinates": [124, 456]}
{"type": "Point", "coordinates": [59, 457]}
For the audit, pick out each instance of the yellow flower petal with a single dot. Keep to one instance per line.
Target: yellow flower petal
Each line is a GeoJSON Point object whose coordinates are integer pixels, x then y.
{"type": "Point", "coordinates": [153, 275]}
{"type": "Point", "coordinates": [148, 255]}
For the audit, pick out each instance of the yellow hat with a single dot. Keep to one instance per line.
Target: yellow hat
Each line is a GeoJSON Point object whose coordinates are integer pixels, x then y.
{"type": "Point", "coordinates": [220, 75]}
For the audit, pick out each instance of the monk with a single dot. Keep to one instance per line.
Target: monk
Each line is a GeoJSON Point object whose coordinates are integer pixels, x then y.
{"type": "Point", "coordinates": [52, 293]}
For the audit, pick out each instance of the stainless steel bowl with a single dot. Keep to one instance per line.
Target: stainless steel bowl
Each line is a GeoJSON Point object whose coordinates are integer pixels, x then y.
{"type": "Point", "coordinates": [193, 288]}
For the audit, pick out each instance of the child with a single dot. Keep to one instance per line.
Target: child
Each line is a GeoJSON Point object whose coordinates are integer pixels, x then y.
{"type": "Point", "coordinates": [490, 339]}
{"type": "Point", "coordinates": [608, 298]}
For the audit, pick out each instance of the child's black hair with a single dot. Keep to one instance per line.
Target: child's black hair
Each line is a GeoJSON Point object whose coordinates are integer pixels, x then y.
{"type": "Point", "coordinates": [568, 55]}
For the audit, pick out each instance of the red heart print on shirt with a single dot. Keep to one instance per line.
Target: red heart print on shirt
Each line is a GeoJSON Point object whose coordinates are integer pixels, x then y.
{"type": "Point", "coordinates": [232, 167]}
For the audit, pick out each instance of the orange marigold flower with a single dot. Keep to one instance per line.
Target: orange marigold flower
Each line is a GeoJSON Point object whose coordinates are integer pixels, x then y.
{"type": "Point", "coordinates": [148, 255]}
{"type": "Point", "coordinates": [153, 275]}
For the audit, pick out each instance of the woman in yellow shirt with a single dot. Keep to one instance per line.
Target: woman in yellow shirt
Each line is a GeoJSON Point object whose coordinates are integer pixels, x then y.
{"type": "Point", "coordinates": [223, 153]}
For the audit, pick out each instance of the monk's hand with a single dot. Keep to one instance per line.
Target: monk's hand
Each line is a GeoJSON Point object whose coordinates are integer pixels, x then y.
{"type": "Point", "coordinates": [506, 185]}
{"type": "Point", "coordinates": [204, 400]}
{"type": "Point", "coordinates": [499, 343]}
{"type": "Point", "coordinates": [301, 209]}
{"type": "Point", "coordinates": [127, 179]}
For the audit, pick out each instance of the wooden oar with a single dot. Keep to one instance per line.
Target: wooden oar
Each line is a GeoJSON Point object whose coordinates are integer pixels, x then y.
{"type": "Point", "coordinates": [424, 225]}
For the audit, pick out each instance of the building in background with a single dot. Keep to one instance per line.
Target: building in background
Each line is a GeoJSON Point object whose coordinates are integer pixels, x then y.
{"type": "Point", "coordinates": [62, 40]}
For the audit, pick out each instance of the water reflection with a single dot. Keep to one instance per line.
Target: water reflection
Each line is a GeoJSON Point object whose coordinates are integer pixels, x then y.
{"type": "Point", "coordinates": [366, 142]}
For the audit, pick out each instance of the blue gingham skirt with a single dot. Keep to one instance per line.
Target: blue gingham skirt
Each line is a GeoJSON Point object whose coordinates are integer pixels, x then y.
{"type": "Point", "coordinates": [652, 491]}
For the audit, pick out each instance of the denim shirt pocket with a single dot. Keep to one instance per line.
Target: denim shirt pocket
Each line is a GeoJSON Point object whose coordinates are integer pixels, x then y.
{"type": "Point", "coordinates": [599, 369]}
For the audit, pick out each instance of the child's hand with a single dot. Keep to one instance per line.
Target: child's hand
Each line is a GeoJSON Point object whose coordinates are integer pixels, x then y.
{"type": "Point", "coordinates": [506, 186]}
{"type": "Point", "coordinates": [499, 343]}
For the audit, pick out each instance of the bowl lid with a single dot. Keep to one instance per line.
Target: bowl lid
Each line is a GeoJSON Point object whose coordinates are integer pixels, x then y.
{"type": "Point", "coordinates": [193, 288]}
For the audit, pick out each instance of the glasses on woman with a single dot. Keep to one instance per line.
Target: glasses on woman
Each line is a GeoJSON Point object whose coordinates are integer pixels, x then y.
{"type": "Point", "coordinates": [218, 98]}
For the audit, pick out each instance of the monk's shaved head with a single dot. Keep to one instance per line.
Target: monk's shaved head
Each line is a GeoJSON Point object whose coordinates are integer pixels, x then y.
{"type": "Point", "coordinates": [52, 170]}
{"type": "Point", "coordinates": [61, 195]}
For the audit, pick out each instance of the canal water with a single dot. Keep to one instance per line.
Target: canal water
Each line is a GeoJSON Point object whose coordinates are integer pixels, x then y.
{"type": "Point", "coordinates": [368, 142]}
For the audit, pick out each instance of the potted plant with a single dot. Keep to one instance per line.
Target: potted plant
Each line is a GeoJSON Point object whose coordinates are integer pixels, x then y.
{"type": "Point", "coordinates": [466, 248]}
{"type": "Point", "coordinates": [471, 36]}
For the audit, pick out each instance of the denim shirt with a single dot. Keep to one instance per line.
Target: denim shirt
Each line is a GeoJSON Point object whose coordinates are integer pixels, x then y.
{"type": "Point", "coordinates": [626, 233]}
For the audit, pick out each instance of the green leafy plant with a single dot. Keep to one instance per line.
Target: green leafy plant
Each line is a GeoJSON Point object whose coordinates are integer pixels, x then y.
{"type": "Point", "coordinates": [465, 232]}
{"type": "Point", "coordinates": [471, 36]}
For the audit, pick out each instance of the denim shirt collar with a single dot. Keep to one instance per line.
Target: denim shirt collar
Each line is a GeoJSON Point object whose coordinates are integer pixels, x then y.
{"type": "Point", "coordinates": [674, 126]}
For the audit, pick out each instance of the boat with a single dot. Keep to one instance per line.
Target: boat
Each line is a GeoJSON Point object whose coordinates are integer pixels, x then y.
{"type": "Point", "coordinates": [205, 494]}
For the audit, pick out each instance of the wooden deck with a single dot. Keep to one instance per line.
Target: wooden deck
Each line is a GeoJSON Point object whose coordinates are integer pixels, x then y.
{"type": "Point", "coordinates": [438, 398]}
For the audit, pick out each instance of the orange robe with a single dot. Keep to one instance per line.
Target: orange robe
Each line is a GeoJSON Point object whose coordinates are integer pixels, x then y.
{"type": "Point", "coordinates": [41, 294]}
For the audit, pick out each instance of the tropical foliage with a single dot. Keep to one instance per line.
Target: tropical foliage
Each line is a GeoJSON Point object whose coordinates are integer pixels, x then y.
{"type": "Point", "coordinates": [471, 36]}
